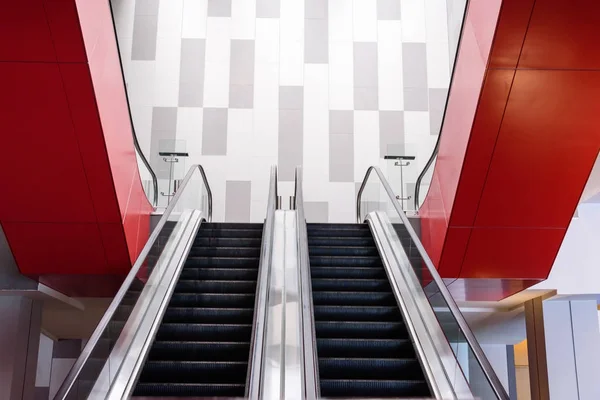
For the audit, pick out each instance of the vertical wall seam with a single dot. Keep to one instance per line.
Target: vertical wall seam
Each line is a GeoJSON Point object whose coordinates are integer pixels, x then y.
{"type": "Point", "coordinates": [574, 349]}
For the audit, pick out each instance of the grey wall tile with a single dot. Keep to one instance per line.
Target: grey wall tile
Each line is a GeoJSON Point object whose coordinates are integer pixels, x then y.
{"type": "Point", "coordinates": [391, 132]}
{"type": "Point", "coordinates": [316, 43]}
{"type": "Point", "coordinates": [146, 7]}
{"type": "Point", "coordinates": [341, 158]}
{"type": "Point", "coordinates": [341, 121]}
{"type": "Point", "coordinates": [437, 103]}
{"type": "Point", "coordinates": [241, 96]}
{"type": "Point", "coordinates": [143, 45]}
{"type": "Point", "coordinates": [291, 141]}
{"type": "Point", "coordinates": [242, 62]}
{"type": "Point", "coordinates": [191, 72]}
{"type": "Point", "coordinates": [238, 201]}
{"type": "Point", "coordinates": [409, 191]}
{"type": "Point", "coordinates": [316, 211]}
{"type": "Point", "coordinates": [70, 348]}
{"type": "Point", "coordinates": [291, 97]}
{"type": "Point", "coordinates": [219, 8]}
{"type": "Point", "coordinates": [366, 98]}
{"type": "Point", "coordinates": [365, 64]}
{"type": "Point", "coordinates": [388, 9]}
{"type": "Point", "coordinates": [414, 65]}
{"type": "Point", "coordinates": [214, 132]}
{"type": "Point", "coordinates": [315, 9]}
{"type": "Point", "coordinates": [415, 99]}
{"type": "Point", "coordinates": [41, 393]}
{"type": "Point", "coordinates": [163, 131]}
{"type": "Point", "coordinates": [267, 8]}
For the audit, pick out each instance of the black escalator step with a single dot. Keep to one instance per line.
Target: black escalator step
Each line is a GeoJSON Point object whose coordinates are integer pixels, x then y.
{"type": "Point", "coordinates": [188, 286]}
{"type": "Point", "coordinates": [365, 348]}
{"type": "Point", "coordinates": [347, 272]}
{"type": "Point", "coordinates": [227, 242]}
{"type": "Point", "coordinates": [198, 251]}
{"type": "Point", "coordinates": [374, 388]}
{"type": "Point", "coordinates": [354, 299]}
{"type": "Point", "coordinates": [199, 351]}
{"type": "Point", "coordinates": [354, 251]}
{"type": "Point", "coordinates": [230, 233]}
{"type": "Point", "coordinates": [232, 274]}
{"type": "Point", "coordinates": [318, 225]}
{"type": "Point", "coordinates": [190, 389]}
{"type": "Point", "coordinates": [322, 261]}
{"type": "Point", "coordinates": [205, 332]}
{"type": "Point", "coordinates": [232, 225]}
{"type": "Point", "coordinates": [208, 315]}
{"type": "Point", "coordinates": [353, 313]}
{"type": "Point", "coordinates": [370, 368]}
{"type": "Point", "coordinates": [340, 241]}
{"type": "Point", "coordinates": [194, 371]}
{"type": "Point", "coordinates": [351, 285]}
{"type": "Point", "coordinates": [334, 233]}
{"type": "Point", "coordinates": [235, 262]}
{"type": "Point", "coordinates": [237, 300]}
{"type": "Point", "coordinates": [360, 330]}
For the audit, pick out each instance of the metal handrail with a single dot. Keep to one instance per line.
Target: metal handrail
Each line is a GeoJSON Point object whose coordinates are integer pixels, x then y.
{"type": "Point", "coordinates": [73, 374]}
{"type": "Point", "coordinates": [136, 143]}
{"type": "Point", "coordinates": [260, 312]}
{"type": "Point", "coordinates": [488, 371]}
{"type": "Point", "coordinates": [310, 371]}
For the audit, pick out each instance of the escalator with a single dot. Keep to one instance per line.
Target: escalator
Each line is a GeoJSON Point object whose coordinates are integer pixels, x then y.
{"type": "Point", "coordinates": [202, 346]}
{"type": "Point", "coordinates": [363, 346]}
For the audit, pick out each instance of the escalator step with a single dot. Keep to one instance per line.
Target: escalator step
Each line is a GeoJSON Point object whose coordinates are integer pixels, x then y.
{"type": "Point", "coordinates": [353, 313]}
{"type": "Point", "coordinates": [229, 287]}
{"type": "Point", "coordinates": [232, 274]}
{"type": "Point", "coordinates": [235, 262]}
{"type": "Point", "coordinates": [194, 371]}
{"type": "Point", "coordinates": [354, 299]}
{"type": "Point", "coordinates": [351, 285]}
{"type": "Point", "coordinates": [227, 242]}
{"type": "Point", "coordinates": [365, 348]}
{"type": "Point", "coordinates": [200, 251]}
{"type": "Point", "coordinates": [204, 332]}
{"type": "Point", "coordinates": [347, 272]}
{"type": "Point", "coordinates": [354, 233]}
{"type": "Point", "coordinates": [337, 227]}
{"type": "Point", "coordinates": [340, 241]}
{"type": "Point", "coordinates": [354, 251]}
{"type": "Point", "coordinates": [208, 315]}
{"type": "Point", "coordinates": [374, 388]}
{"type": "Point", "coordinates": [360, 330]}
{"type": "Point", "coordinates": [212, 300]}
{"type": "Point", "coordinates": [190, 389]}
{"type": "Point", "coordinates": [368, 368]}
{"type": "Point", "coordinates": [230, 233]}
{"type": "Point", "coordinates": [232, 225]}
{"type": "Point", "coordinates": [319, 261]}
{"type": "Point", "coordinates": [199, 351]}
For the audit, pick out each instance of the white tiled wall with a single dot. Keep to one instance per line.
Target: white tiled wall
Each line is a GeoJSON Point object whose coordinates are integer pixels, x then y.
{"type": "Point", "coordinates": [225, 67]}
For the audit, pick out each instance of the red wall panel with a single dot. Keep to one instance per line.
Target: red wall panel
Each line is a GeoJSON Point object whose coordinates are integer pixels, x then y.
{"type": "Point", "coordinates": [517, 147]}
{"type": "Point", "coordinates": [76, 207]}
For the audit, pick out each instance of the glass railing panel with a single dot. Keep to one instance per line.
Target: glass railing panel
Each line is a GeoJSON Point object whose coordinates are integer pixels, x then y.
{"type": "Point", "coordinates": [95, 368]}
{"type": "Point", "coordinates": [377, 195]}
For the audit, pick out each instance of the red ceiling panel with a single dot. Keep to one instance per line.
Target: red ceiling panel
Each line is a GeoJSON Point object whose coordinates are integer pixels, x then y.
{"type": "Point", "coordinates": [24, 32]}
{"type": "Point", "coordinates": [455, 246]}
{"type": "Point", "coordinates": [547, 145]}
{"type": "Point", "coordinates": [82, 102]}
{"type": "Point", "coordinates": [37, 126]}
{"type": "Point", "coordinates": [510, 33]}
{"type": "Point", "coordinates": [518, 253]}
{"type": "Point", "coordinates": [113, 239]}
{"type": "Point", "coordinates": [563, 35]}
{"type": "Point", "coordinates": [66, 32]}
{"type": "Point", "coordinates": [37, 250]}
{"type": "Point", "coordinates": [481, 145]}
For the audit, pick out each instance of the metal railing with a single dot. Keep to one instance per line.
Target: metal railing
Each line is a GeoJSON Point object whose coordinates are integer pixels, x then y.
{"type": "Point", "coordinates": [478, 353]}
{"type": "Point", "coordinates": [132, 277]}
{"type": "Point", "coordinates": [256, 362]}
{"type": "Point", "coordinates": [310, 371]}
